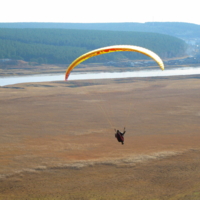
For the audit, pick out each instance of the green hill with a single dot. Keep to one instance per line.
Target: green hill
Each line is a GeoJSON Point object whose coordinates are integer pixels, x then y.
{"type": "Point", "coordinates": [64, 45]}
{"type": "Point", "coordinates": [178, 29]}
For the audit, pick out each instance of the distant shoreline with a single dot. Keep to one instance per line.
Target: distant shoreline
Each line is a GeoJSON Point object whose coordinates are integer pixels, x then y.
{"type": "Point", "coordinates": [80, 76]}
{"type": "Point", "coordinates": [23, 69]}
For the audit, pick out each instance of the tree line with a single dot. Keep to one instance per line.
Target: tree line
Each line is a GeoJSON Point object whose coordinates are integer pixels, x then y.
{"type": "Point", "coordinates": [62, 46]}
{"type": "Point", "coordinates": [177, 29]}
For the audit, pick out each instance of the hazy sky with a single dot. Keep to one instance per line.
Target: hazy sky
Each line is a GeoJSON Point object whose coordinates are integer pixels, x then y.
{"type": "Point", "coordinates": [100, 11]}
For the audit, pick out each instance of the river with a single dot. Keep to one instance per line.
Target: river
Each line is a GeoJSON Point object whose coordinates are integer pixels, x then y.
{"type": "Point", "coordinates": [4, 81]}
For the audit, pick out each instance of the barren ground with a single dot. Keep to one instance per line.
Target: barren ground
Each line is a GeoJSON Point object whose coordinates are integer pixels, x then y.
{"type": "Point", "coordinates": [57, 139]}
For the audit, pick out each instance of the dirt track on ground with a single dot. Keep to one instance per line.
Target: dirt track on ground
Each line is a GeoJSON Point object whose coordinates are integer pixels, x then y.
{"type": "Point", "coordinates": [57, 139]}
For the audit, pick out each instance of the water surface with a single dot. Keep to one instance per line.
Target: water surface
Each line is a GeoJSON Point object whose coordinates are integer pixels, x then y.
{"type": "Point", "coordinates": [106, 75]}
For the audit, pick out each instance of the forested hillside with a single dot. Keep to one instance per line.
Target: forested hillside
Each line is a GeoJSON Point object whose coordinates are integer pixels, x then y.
{"type": "Point", "coordinates": [177, 29]}
{"type": "Point", "coordinates": [64, 45]}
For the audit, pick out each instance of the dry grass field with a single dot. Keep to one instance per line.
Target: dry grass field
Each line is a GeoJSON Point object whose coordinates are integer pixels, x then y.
{"type": "Point", "coordinates": [57, 140]}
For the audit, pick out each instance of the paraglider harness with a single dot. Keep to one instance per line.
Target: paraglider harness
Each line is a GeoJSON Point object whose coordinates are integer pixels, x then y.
{"type": "Point", "coordinates": [120, 136]}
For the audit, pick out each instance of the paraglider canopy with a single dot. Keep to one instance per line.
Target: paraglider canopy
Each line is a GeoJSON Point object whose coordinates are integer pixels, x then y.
{"type": "Point", "coordinates": [114, 48]}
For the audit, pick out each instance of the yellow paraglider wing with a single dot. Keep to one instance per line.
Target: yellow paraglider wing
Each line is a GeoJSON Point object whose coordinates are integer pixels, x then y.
{"type": "Point", "coordinates": [110, 49]}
